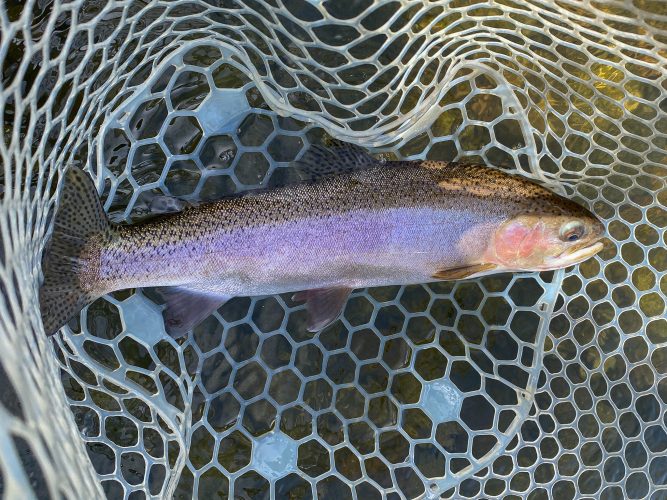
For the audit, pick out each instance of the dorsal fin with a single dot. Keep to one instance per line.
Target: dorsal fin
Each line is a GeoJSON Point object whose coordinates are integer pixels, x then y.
{"type": "Point", "coordinates": [337, 158]}
{"type": "Point", "coordinates": [169, 205]}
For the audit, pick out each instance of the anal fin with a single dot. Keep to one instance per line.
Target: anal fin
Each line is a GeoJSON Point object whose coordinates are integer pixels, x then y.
{"type": "Point", "coordinates": [187, 307]}
{"type": "Point", "coordinates": [324, 305]}
{"type": "Point", "coordinates": [462, 272]}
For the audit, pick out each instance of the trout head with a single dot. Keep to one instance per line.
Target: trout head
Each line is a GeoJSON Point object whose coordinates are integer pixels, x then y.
{"type": "Point", "coordinates": [542, 239]}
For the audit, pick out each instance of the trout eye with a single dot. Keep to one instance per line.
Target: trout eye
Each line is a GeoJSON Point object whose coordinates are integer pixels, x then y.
{"type": "Point", "coordinates": [572, 231]}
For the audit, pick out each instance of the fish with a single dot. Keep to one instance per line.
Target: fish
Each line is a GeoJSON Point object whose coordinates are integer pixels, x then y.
{"type": "Point", "coordinates": [353, 221]}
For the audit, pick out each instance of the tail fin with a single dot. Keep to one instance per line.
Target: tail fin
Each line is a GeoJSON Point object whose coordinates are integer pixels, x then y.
{"type": "Point", "coordinates": [79, 217]}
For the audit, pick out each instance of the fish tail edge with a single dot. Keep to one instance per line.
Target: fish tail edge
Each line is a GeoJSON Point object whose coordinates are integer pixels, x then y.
{"type": "Point", "coordinates": [79, 217]}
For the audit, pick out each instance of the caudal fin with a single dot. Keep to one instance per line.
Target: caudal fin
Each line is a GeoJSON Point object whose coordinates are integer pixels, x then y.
{"type": "Point", "coordinates": [79, 217]}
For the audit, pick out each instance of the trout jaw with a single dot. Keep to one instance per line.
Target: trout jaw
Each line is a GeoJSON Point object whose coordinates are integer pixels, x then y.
{"type": "Point", "coordinates": [574, 255]}
{"type": "Point", "coordinates": [545, 242]}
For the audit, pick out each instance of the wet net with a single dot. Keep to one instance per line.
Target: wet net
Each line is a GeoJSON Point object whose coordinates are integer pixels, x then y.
{"type": "Point", "coordinates": [534, 385]}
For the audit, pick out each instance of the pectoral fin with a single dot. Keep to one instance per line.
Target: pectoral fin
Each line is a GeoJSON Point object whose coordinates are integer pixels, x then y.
{"type": "Point", "coordinates": [459, 273]}
{"type": "Point", "coordinates": [187, 307]}
{"type": "Point", "coordinates": [323, 305]}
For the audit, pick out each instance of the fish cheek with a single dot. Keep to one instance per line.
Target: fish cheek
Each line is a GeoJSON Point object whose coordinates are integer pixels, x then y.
{"type": "Point", "coordinates": [509, 242]}
{"type": "Point", "coordinates": [534, 245]}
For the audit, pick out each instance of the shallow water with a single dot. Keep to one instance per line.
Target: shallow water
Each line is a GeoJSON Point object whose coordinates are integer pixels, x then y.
{"type": "Point", "coordinates": [372, 385]}
{"type": "Point", "coordinates": [254, 367]}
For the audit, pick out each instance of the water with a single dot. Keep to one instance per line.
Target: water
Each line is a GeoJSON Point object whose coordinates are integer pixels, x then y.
{"type": "Point", "coordinates": [587, 116]}
{"type": "Point", "coordinates": [234, 142]}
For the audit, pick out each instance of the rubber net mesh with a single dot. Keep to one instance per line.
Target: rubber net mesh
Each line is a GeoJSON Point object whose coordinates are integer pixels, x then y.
{"type": "Point", "coordinates": [545, 384]}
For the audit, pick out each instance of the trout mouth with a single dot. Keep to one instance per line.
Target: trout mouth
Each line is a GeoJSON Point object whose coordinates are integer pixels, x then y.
{"type": "Point", "coordinates": [578, 254]}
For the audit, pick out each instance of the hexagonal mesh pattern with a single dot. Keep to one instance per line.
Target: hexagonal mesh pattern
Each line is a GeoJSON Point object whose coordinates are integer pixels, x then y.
{"type": "Point", "coordinates": [530, 384]}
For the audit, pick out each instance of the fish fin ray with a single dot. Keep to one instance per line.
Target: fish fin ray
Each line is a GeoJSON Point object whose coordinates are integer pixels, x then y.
{"type": "Point", "coordinates": [186, 307]}
{"type": "Point", "coordinates": [324, 305]}
{"type": "Point", "coordinates": [338, 158]}
{"type": "Point", "coordinates": [169, 205]}
{"type": "Point", "coordinates": [462, 272]}
{"type": "Point", "coordinates": [79, 217]}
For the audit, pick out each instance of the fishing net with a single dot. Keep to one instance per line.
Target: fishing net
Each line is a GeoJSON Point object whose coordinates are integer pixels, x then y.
{"type": "Point", "coordinates": [533, 385]}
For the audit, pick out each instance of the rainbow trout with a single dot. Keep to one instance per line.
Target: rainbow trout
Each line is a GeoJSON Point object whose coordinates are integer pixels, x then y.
{"type": "Point", "coordinates": [359, 223]}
